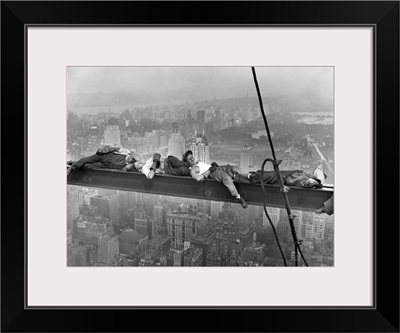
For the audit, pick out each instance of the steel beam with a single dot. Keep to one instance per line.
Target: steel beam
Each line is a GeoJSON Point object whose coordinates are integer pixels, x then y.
{"type": "Point", "coordinates": [299, 198]}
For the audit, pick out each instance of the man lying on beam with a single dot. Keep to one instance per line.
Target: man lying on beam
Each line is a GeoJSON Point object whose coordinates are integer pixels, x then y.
{"type": "Point", "coordinates": [105, 158]}
{"type": "Point", "coordinates": [200, 171]}
{"type": "Point", "coordinates": [152, 166]}
{"type": "Point", "coordinates": [297, 178]}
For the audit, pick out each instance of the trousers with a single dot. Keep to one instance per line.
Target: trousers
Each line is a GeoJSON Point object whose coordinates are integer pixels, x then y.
{"type": "Point", "coordinates": [220, 175]}
{"type": "Point", "coordinates": [109, 161]}
{"type": "Point", "coordinates": [174, 166]}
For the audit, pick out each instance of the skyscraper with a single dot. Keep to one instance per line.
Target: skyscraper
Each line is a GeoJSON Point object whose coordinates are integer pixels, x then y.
{"type": "Point", "coordinates": [160, 214]}
{"type": "Point", "coordinates": [141, 226]}
{"type": "Point", "coordinates": [227, 233]}
{"type": "Point", "coordinates": [146, 226]}
{"type": "Point", "coordinates": [176, 256]}
{"type": "Point", "coordinates": [216, 208]}
{"type": "Point", "coordinates": [89, 231]}
{"type": "Point", "coordinates": [201, 116]}
{"type": "Point", "coordinates": [108, 248]}
{"type": "Point", "coordinates": [201, 120]}
{"type": "Point", "coordinates": [107, 207]}
{"type": "Point", "coordinates": [184, 226]}
{"type": "Point", "coordinates": [274, 214]}
{"type": "Point", "coordinates": [72, 205]}
{"type": "Point", "coordinates": [112, 136]}
{"type": "Point", "coordinates": [203, 206]}
{"type": "Point", "coordinates": [318, 226]}
{"type": "Point", "coordinates": [192, 256]}
{"type": "Point", "coordinates": [246, 159]}
{"type": "Point", "coordinates": [308, 225]}
{"type": "Point", "coordinates": [161, 244]}
{"type": "Point", "coordinates": [200, 148]}
{"type": "Point", "coordinates": [189, 116]}
{"type": "Point", "coordinates": [176, 144]}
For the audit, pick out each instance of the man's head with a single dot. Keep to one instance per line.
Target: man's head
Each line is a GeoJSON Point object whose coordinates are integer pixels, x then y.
{"type": "Point", "coordinates": [138, 165]}
{"type": "Point", "coordinates": [311, 182]}
{"type": "Point", "coordinates": [130, 159]}
{"type": "Point", "coordinates": [188, 157]}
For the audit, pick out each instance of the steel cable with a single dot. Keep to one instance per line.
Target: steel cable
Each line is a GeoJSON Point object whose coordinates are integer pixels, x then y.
{"type": "Point", "coordinates": [278, 174]}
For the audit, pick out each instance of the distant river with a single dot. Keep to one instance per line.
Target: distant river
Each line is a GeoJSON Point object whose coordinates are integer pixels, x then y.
{"type": "Point", "coordinates": [326, 114]}
{"type": "Point", "coordinates": [315, 120]}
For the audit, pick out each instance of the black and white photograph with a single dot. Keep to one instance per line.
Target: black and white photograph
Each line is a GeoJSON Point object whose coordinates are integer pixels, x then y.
{"type": "Point", "coordinates": [200, 166]}
{"type": "Point", "coordinates": [218, 162]}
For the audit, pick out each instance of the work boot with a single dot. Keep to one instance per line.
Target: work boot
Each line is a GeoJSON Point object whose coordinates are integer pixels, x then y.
{"type": "Point", "coordinates": [243, 202]}
{"type": "Point", "coordinates": [156, 161]}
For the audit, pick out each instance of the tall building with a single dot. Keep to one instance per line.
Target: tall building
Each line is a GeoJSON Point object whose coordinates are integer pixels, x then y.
{"type": "Point", "coordinates": [79, 255]}
{"type": "Point", "coordinates": [216, 208]}
{"type": "Point", "coordinates": [192, 255]}
{"type": "Point", "coordinates": [319, 227]}
{"type": "Point", "coordinates": [85, 194]}
{"type": "Point", "coordinates": [129, 218]}
{"type": "Point", "coordinates": [308, 225]}
{"type": "Point", "coordinates": [108, 248]}
{"type": "Point", "coordinates": [226, 241]}
{"type": "Point", "coordinates": [204, 242]}
{"type": "Point", "coordinates": [149, 200]}
{"type": "Point", "coordinates": [138, 198]}
{"type": "Point", "coordinates": [72, 205]}
{"type": "Point", "coordinates": [88, 231]}
{"type": "Point", "coordinates": [200, 148]}
{"type": "Point", "coordinates": [201, 120]}
{"type": "Point", "coordinates": [102, 204]}
{"type": "Point", "coordinates": [201, 116]}
{"type": "Point", "coordinates": [161, 244]}
{"type": "Point", "coordinates": [183, 227]}
{"type": "Point", "coordinates": [160, 214]}
{"type": "Point", "coordinates": [274, 214]}
{"type": "Point", "coordinates": [246, 159]}
{"type": "Point", "coordinates": [176, 144]}
{"type": "Point", "coordinates": [204, 206]}
{"type": "Point", "coordinates": [306, 229]}
{"type": "Point", "coordinates": [139, 212]}
{"type": "Point", "coordinates": [146, 226]}
{"type": "Point", "coordinates": [141, 226]}
{"type": "Point", "coordinates": [176, 257]}
{"type": "Point", "coordinates": [112, 136]}
{"type": "Point", "coordinates": [107, 207]}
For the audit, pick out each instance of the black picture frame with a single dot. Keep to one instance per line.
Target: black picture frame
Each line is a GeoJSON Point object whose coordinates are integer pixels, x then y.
{"type": "Point", "coordinates": [383, 16]}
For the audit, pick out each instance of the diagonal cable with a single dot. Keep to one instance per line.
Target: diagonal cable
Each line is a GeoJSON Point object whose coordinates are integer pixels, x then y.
{"type": "Point", "coordinates": [278, 174]}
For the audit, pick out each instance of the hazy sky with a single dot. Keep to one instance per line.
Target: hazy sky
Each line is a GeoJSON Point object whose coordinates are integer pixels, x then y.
{"type": "Point", "coordinates": [95, 86]}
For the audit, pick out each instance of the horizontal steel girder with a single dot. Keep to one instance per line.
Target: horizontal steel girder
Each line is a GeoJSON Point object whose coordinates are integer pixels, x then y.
{"type": "Point", "coordinates": [299, 198]}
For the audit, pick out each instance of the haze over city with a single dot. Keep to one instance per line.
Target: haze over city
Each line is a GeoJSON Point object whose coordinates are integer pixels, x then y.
{"type": "Point", "coordinates": [305, 89]}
